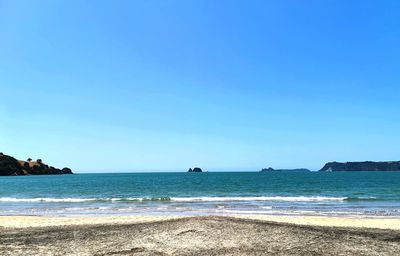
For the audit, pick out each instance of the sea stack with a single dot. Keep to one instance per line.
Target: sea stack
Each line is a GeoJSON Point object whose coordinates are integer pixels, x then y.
{"type": "Point", "coordinates": [195, 169]}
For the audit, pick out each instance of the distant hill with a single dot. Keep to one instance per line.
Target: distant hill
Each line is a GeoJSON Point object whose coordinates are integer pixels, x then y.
{"type": "Point", "coordinates": [361, 166]}
{"type": "Point", "coordinates": [284, 170]}
{"type": "Point", "coordinates": [9, 166]}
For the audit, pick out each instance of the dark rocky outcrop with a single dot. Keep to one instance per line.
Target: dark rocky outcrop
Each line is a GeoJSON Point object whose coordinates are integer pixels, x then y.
{"type": "Point", "coordinates": [9, 166]}
{"type": "Point", "coordinates": [284, 170]}
{"type": "Point", "coordinates": [195, 169]}
{"type": "Point", "coordinates": [361, 166]}
{"type": "Point", "coordinates": [66, 170]}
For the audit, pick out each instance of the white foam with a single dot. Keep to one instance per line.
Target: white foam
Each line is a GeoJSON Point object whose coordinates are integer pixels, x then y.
{"type": "Point", "coordinates": [46, 199]}
{"type": "Point", "coordinates": [258, 198]}
{"type": "Point", "coordinates": [180, 199]}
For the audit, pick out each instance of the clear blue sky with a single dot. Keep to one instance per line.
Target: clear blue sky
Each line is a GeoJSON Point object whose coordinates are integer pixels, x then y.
{"type": "Point", "coordinates": [166, 85]}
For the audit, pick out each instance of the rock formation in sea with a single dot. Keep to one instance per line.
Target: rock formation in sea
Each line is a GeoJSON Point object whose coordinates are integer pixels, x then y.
{"type": "Point", "coordinates": [195, 169]}
{"type": "Point", "coordinates": [361, 166]}
{"type": "Point", "coordinates": [270, 169]}
{"type": "Point", "coordinates": [9, 166]}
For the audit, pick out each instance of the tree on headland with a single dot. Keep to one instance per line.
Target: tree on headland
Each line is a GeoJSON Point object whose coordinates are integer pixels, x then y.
{"type": "Point", "coordinates": [10, 166]}
{"type": "Point", "coordinates": [29, 159]}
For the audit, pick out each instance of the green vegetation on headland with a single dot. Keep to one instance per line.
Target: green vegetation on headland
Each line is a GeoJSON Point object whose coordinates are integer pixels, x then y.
{"type": "Point", "coordinates": [366, 166]}
{"type": "Point", "coordinates": [348, 166]}
{"type": "Point", "coordinates": [362, 166]}
{"type": "Point", "coordinates": [9, 166]}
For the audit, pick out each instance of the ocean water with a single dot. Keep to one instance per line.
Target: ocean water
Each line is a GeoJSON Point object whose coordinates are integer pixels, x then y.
{"type": "Point", "coordinates": [210, 193]}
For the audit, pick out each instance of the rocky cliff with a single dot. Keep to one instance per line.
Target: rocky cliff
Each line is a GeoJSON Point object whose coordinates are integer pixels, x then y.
{"type": "Point", "coordinates": [9, 166]}
{"type": "Point", "coordinates": [361, 166]}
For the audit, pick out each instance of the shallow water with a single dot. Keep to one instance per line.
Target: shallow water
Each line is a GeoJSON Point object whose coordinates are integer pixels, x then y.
{"type": "Point", "coordinates": [217, 193]}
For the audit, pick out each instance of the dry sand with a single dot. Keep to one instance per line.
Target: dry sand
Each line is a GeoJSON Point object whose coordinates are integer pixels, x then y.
{"type": "Point", "coordinates": [189, 236]}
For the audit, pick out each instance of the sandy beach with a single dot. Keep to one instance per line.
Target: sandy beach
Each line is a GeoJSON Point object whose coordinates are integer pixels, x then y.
{"type": "Point", "coordinates": [250, 235]}
{"type": "Point", "coordinates": [51, 221]}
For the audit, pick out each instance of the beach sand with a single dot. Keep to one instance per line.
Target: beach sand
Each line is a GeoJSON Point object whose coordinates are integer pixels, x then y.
{"type": "Point", "coordinates": [253, 235]}
{"type": "Point", "coordinates": [48, 221]}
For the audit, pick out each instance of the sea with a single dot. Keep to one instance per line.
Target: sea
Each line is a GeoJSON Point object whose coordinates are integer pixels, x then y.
{"type": "Point", "coordinates": [367, 194]}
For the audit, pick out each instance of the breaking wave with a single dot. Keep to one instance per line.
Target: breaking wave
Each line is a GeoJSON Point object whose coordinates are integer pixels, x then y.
{"type": "Point", "coordinates": [190, 199]}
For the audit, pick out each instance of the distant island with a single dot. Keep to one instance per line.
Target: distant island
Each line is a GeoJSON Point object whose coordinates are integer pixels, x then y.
{"type": "Point", "coordinates": [361, 166]}
{"type": "Point", "coordinates": [284, 170]}
{"type": "Point", "coordinates": [195, 169]}
{"type": "Point", "coordinates": [9, 166]}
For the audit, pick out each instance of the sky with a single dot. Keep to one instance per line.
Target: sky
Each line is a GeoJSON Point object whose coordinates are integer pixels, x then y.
{"type": "Point", "coordinates": [115, 86]}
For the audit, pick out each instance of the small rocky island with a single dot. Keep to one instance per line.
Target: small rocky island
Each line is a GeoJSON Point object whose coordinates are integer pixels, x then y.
{"type": "Point", "coordinates": [284, 170]}
{"type": "Point", "coordinates": [195, 169]}
{"type": "Point", "coordinates": [9, 166]}
{"type": "Point", "coordinates": [361, 166]}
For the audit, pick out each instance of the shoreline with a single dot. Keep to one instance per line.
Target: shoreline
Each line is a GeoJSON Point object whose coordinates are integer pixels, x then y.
{"type": "Point", "coordinates": [378, 222]}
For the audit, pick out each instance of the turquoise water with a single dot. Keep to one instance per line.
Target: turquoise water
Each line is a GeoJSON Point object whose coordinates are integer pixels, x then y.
{"type": "Point", "coordinates": [335, 193]}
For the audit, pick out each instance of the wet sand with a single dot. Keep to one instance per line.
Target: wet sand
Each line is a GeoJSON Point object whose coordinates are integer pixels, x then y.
{"type": "Point", "coordinates": [194, 236]}
{"type": "Point", "coordinates": [325, 221]}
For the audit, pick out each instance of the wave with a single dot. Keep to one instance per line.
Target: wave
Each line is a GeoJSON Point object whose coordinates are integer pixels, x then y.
{"type": "Point", "coordinates": [50, 200]}
{"type": "Point", "coordinates": [79, 200]}
{"type": "Point", "coordinates": [356, 199]}
{"type": "Point", "coordinates": [189, 199]}
{"type": "Point", "coordinates": [258, 198]}
{"type": "Point", "coordinates": [192, 199]}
